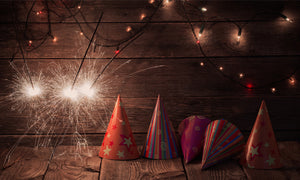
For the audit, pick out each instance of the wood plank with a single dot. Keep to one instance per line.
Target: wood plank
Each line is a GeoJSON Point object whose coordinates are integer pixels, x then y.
{"type": "Point", "coordinates": [290, 158]}
{"type": "Point", "coordinates": [142, 169]}
{"type": "Point", "coordinates": [124, 11]}
{"type": "Point", "coordinates": [160, 40]}
{"type": "Point", "coordinates": [184, 76]}
{"type": "Point", "coordinates": [26, 163]}
{"type": "Point", "coordinates": [229, 169]}
{"type": "Point", "coordinates": [240, 111]}
{"type": "Point", "coordinates": [71, 163]}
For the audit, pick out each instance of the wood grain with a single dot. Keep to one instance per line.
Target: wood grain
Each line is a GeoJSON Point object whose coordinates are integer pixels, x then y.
{"type": "Point", "coordinates": [26, 163]}
{"type": "Point", "coordinates": [290, 158]}
{"type": "Point", "coordinates": [229, 169]}
{"type": "Point", "coordinates": [72, 163]}
{"type": "Point", "coordinates": [142, 169]}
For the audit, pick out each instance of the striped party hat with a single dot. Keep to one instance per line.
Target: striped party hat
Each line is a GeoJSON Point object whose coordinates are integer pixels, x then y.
{"type": "Point", "coordinates": [161, 141]}
{"type": "Point", "coordinates": [222, 139]}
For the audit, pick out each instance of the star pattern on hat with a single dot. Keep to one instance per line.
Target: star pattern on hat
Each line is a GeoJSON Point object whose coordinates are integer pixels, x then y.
{"type": "Point", "coordinates": [120, 154]}
{"type": "Point", "coordinates": [261, 112]}
{"type": "Point", "coordinates": [270, 161]}
{"type": "Point", "coordinates": [107, 150]}
{"type": "Point", "coordinates": [254, 151]}
{"type": "Point", "coordinates": [126, 141]}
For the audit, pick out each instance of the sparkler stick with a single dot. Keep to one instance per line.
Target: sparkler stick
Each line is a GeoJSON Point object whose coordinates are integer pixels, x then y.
{"type": "Point", "coordinates": [87, 51]}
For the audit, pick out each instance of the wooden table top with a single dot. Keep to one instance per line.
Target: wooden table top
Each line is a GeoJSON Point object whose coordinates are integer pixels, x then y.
{"type": "Point", "coordinates": [65, 162]}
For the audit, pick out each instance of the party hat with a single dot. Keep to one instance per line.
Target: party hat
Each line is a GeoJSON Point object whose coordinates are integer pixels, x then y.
{"type": "Point", "coordinates": [118, 142]}
{"type": "Point", "coordinates": [222, 139]}
{"type": "Point", "coordinates": [192, 131]}
{"type": "Point", "coordinates": [261, 150]}
{"type": "Point", "coordinates": [161, 140]}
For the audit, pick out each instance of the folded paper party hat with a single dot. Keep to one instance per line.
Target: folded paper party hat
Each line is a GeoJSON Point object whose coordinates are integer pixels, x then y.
{"type": "Point", "coordinates": [161, 140]}
{"type": "Point", "coordinates": [222, 139]}
{"type": "Point", "coordinates": [118, 142]}
{"type": "Point", "coordinates": [192, 131]}
{"type": "Point", "coordinates": [261, 150]}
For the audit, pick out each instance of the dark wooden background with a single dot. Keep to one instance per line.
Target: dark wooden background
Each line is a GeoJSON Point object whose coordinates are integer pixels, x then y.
{"type": "Point", "coordinates": [268, 51]}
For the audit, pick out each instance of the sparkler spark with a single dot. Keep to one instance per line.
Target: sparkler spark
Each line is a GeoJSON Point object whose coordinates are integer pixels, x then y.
{"type": "Point", "coordinates": [70, 93]}
{"type": "Point", "coordinates": [32, 91]}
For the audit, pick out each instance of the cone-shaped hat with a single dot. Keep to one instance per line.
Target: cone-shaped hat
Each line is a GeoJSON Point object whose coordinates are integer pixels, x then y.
{"type": "Point", "coordinates": [161, 141]}
{"type": "Point", "coordinates": [261, 150]}
{"type": "Point", "coordinates": [192, 131]}
{"type": "Point", "coordinates": [118, 142]}
{"type": "Point", "coordinates": [222, 139]}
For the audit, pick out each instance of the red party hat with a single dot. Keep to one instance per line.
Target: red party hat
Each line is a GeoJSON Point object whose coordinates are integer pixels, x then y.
{"type": "Point", "coordinates": [118, 142]}
{"type": "Point", "coordinates": [261, 150]}
{"type": "Point", "coordinates": [161, 141]}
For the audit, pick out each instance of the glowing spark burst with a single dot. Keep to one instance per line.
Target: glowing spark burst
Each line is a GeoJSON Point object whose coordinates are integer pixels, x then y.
{"type": "Point", "coordinates": [87, 91]}
{"type": "Point", "coordinates": [33, 91]}
{"type": "Point", "coordinates": [70, 93]}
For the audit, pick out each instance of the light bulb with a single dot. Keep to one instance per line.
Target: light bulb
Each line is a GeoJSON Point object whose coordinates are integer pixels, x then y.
{"type": "Point", "coordinates": [241, 75]}
{"type": "Point", "coordinates": [292, 81]}
{"type": "Point", "coordinates": [128, 29]}
{"type": "Point", "coordinates": [81, 33]}
{"type": "Point", "coordinates": [79, 7]}
{"type": "Point", "coordinates": [151, 1]}
{"type": "Point", "coordinates": [221, 68]}
{"type": "Point", "coordinates": [273, 90]}
{"type": "Point", "coordinates": [54, 39]}
{"type": "Point", "coordinates": [203, 9]}
{"type": "Point", "coordinates": [142, 16]}
{"type": "Point", "coordinates": [201, 64]}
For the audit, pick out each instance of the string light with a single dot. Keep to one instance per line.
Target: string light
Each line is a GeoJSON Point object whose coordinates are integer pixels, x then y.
{"type": "Point", "coordinates": [198, 42]}
{"type": "Point", "coordinates": [79, 7]}
{"type": "Point", "coordinates": [81, 33]}
{"type": "Point", "coordinates": [292, 81]}
{"type": "Point", "coordinates": [117, 51]}
{"type": "Point", "coordinates": [249, 86]}
{"type": "Point", "coordinates": [151, 1]}
{"type": "Point", "coordinates": [221, 68]}
{"type": "Point", "coordinates": [128, 29]}
{"type": "Point", "coordinates": [203, 9]}
{"type": "Point", "coordinates": [241, 75]}
{"type": "Point", "coordinates": [286, 18]}
{"type": "Point", "coordinates": [201, 64]}
{"type": "Point", "coordinates": [39, 12]}
{"type": "Point", "coordinates": [239, 34]}
{"type": "Point", "coordinates": [54, 39]}
{"type": "Point", "coordinates": [273, 90]}
{"type": "Point", "coordinates": [142, 16]}
{"type": "Point", "coordinates": [201, 30]}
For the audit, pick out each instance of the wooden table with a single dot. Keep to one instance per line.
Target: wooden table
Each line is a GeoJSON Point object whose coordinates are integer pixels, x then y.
{"type": "Point", "coordinates": [64, 162]}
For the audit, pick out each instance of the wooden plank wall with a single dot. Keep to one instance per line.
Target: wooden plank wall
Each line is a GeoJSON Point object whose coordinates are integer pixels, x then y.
{"type": "Point", "coordinates": [268, 51]}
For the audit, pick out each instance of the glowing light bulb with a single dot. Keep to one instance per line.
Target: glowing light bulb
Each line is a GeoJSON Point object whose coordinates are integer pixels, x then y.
{"type": "Point", "coordinates": [201, 30]}
{"type": "Point", "coordinates": [203, 9]}
{"type": "Point", "coordinates": [221, 68]}
{"type": "Point", "coordinates": [241, 75]}
{"type": "Point", "coordinates": [292, 81]}
{"type": "Point", "coordinates": [239, 34]}
{"type": "Point", "coordinates": [128, 29]}
{"type": "Point", "coordinates": [273, 90]}
{"type": "Point", "coordinates": [142, 16]}
{"type": "Point", "coordinates": [32, 91]}
{"type": "Point", "coordinates": [70, 93]}
{"type": "Point", "coordinates": [167, 1]}
{"type": "Point", "coordinates": [117, 51]}
{"type": "Point", "coordinates": [39, 12]}
{"type": "Point", "coordinates": [54, 39]}
{"type": "Point", "coordinates": [198, 42]}
{"type": "Point", "coordinates": [79, 7]}
{"type": "Point", "coordinates": [249, 86]}
{"type": "Point", "coordinates": [151, 1]}
{"type": "Point", "coordinates": [30, 42]}
{"type": "Point", "coordinates": [286, 18]}
{"type": "Point", "coordinates": [81, 33]}
{"type": "Point", "coordinates": [201, 64]}
{"type": "Point", "coordinates": [87, 91]}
